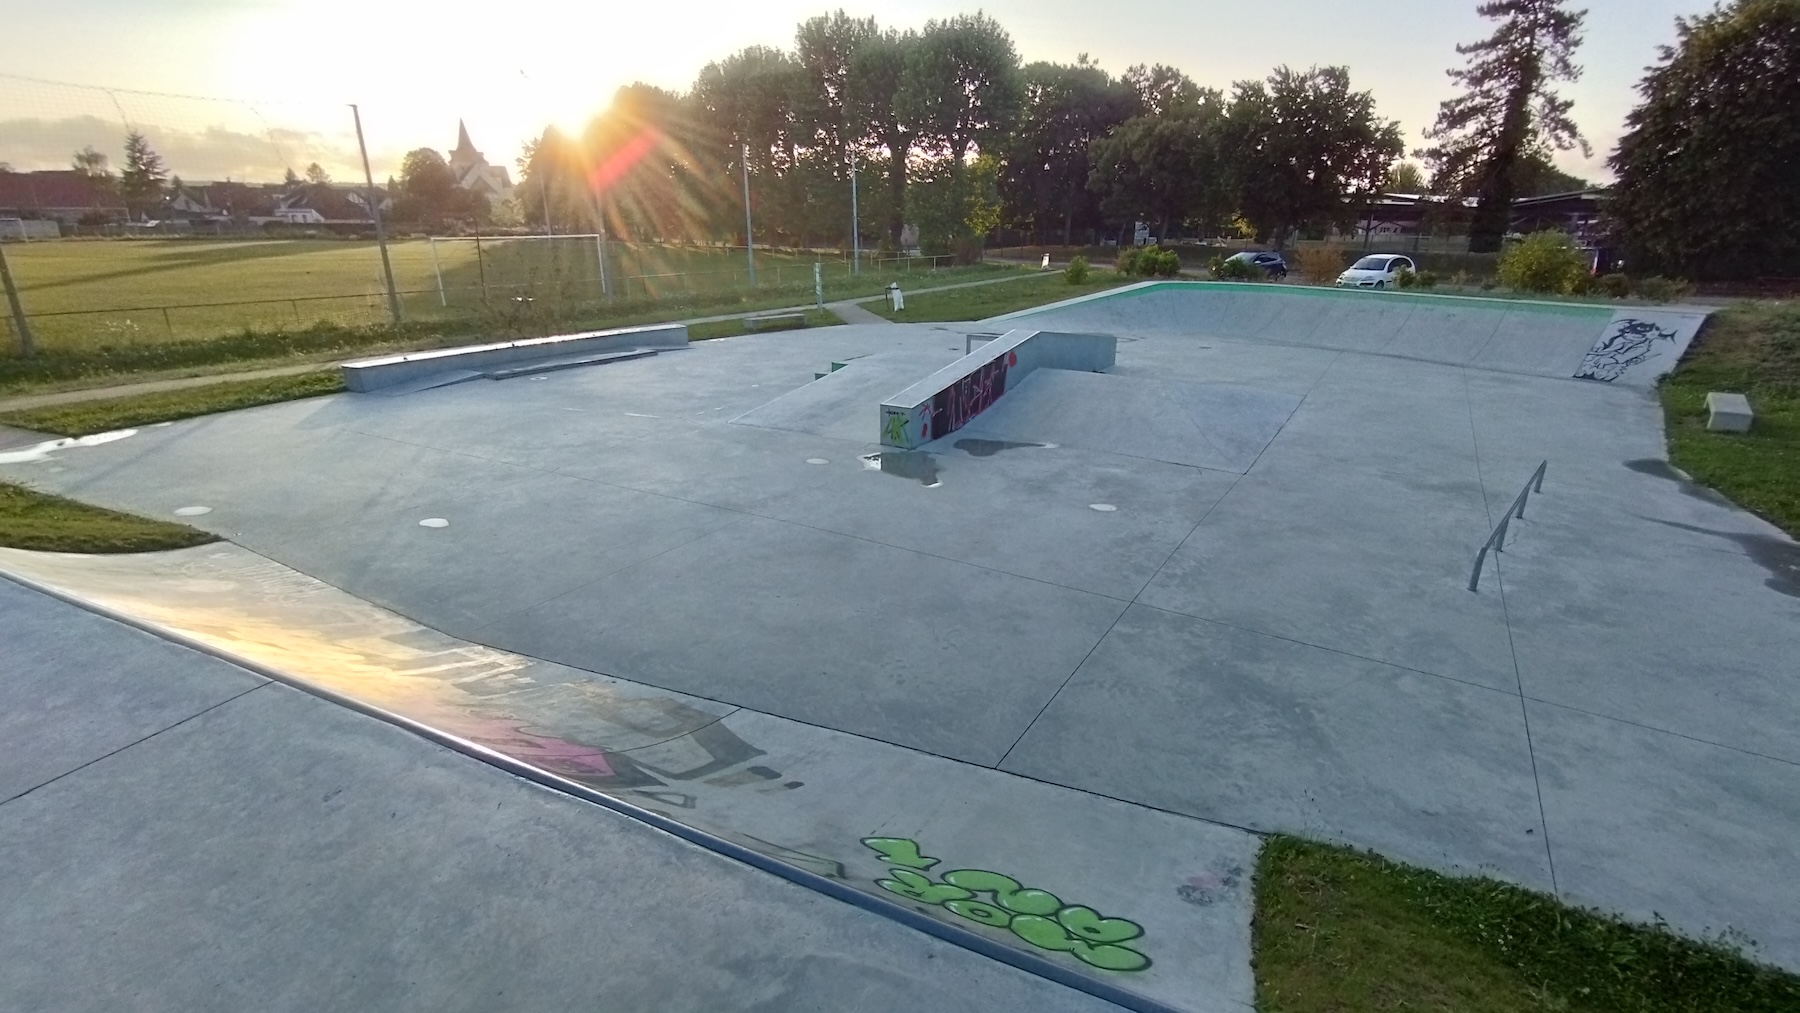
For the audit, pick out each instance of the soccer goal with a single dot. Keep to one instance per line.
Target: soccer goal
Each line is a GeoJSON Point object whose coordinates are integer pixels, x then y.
{"type": "Point", "coordinates": [557, 268]}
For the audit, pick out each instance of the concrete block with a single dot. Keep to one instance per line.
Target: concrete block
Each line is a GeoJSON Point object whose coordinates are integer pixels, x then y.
{"type": "Point", "coordinates": [1728, 413]}
{"type": "Point", "coordinates": [946, 400]}
{"type": "Point", "coordinates": [374, 374]}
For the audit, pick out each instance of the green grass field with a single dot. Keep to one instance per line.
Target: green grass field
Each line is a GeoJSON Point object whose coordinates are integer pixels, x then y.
{"type": "Point", "coordinates": [88, 293]}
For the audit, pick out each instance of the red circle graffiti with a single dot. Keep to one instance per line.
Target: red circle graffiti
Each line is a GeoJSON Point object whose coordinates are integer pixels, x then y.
{"type": "Point", "coordinates": [1012, 359]}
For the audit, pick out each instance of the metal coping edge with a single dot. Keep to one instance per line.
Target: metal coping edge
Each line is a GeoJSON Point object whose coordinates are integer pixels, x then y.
{"type": "Point", "coordinates": [879, 906]}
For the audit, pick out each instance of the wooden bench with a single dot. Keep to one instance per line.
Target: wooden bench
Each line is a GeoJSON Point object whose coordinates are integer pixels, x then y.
{"type": "Point", "coordinates": [774, 320]}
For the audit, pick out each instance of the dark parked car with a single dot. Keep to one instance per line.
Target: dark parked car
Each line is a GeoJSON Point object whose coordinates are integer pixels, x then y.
{"type": "Point", "coordinates": [1270, 262]}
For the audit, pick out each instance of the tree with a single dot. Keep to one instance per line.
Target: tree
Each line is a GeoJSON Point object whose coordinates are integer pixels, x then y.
{"type": "Point", "coordinates": [428, 190]}
{"type": "Point", "coordinates": [744, 106]}
{"type": "Point", "coordinates": [315, 173]}
{"type": "Point", "coordinates": [1508, 111]}
{"type": "Point", "coordinates": [141, 181]}
{"type": "Point", "coordinates": [878, 76]}
{"type": "Point", "coordinates": [91, 164]}
{"type": "Point", "coordinates": [1066, 110]}
{"type": "Point", "coordinates": [1707, 186]}
{"type": "Point", "coordinates": [290, 178]}
{"type": "Point", "coordinates": [962, 85]}
{"type": "Point", "coordinates": [1406, 177]}
{"type": "Point", "coordinates": [1537, 176]}
{"type": "Point", "coordinates": [551, 191]}
{"type": "Point", "coordinates": [1166, 168]}
{"type": "Point", "coordinates": [824, 48]}
{"type": "Point", "coordinates": [1160, 90]}
{"type": "Point", "coordinates": [1303, 145]}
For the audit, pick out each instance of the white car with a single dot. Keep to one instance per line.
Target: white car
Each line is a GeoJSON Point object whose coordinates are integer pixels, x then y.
{"type": "Point", "coordinates": [1379, 271]}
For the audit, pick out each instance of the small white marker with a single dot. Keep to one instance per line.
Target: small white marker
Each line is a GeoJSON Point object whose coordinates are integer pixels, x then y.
{"type": "Point", "coordinates": [434, 522]}
{"type": "Point", "coordinates": [1105, 508]}
{"type": "Point", "coordinates": [193, 511]}
{"type": "Point", "coordinates": [817, 460]}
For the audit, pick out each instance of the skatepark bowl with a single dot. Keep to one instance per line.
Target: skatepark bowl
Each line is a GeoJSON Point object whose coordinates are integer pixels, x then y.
{"type": "Point", "coordinates": [1037, 682]}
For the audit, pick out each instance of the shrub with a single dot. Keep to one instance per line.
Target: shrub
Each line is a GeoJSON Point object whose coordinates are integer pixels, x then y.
{"type": "Point", "coordinates": [1320, 265]}
{"type": "Point", "coordinates": [1659, 289]}
{"type": "Point", "coordinates": [1161, 263]}
{"type": "Point", "coordinates": [1489, 284]}
{"type": "Point", "coordinates": [1128, 261]}
{"type": "Point", "coordinates": [1615, 285]}
{"type": "Point", "coordinates": [1461, 279]}
{"type": "Point", "coordinates": [1426, 279]}
{"type": "Point", "coordinates": [1543, 262]}
{"type": "Point", "coordinates": [1407, 278]}
{"type": "Point", "coordinates": [1237, 270]}
{"type": "Point", "coordinates": [1077, 271]}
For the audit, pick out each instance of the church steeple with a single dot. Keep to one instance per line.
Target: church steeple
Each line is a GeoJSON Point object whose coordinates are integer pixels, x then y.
{"type": "Point", "coordinates": [462, 138]}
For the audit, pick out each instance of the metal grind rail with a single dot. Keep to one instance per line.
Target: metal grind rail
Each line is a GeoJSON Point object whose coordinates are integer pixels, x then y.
{"type": "Point", "coordinates": [1497, 540]}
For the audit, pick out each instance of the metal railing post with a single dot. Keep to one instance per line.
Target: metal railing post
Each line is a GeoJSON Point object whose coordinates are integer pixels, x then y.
{"type": "Point", "coordinates": [1497, 539]}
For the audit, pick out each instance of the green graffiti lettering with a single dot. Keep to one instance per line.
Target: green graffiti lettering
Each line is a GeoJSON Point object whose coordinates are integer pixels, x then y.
{"type": "Point", "coordinates": [900, 851]}
{"type": "Point", "coordinates": [1086, 923]}
{"type": "Point", "coordinates": [1036, 916]}
{"type": "Point", "coordinates": [895, 430]}
{"type": "Point", "coordinates": [1006, 890]}
{"type": "Point", "coordinates": [986, 914]}
{"type": "Point", "coordinates": [910, 884]}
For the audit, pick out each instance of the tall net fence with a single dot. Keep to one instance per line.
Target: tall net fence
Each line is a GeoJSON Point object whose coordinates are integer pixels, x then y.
{"type": "Point", "coordinates": [136, 218]}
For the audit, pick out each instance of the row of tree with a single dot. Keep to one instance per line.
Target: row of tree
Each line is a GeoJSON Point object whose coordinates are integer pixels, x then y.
{"type": "Point", "coordinates": [948, 131]}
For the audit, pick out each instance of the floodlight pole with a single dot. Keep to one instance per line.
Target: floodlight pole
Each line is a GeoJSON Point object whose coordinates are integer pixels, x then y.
{"type": "Point", "coordinates": [387, 267]}
{"type": "Point", "coordinates": [855, 221]}
{"type": "Point", "coordinates": [749, 236]}
{"type": "Point", "coordinates": [27, 347]}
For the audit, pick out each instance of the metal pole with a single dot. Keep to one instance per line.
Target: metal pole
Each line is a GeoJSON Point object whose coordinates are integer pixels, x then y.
{"type": "Point", "coordinates": [27, 347]}
{"type": "Point", "coordinates": [818, 285]}
{"type": "Point", "coordinates": [855, 221]}
{"type": "Point", "coordinates": [749, 236]}
{"type": "Point", "coordinates": [438, 269]}
{"type": "Point", "coordinates": [481, 267]}
{"type": "Point", "coordinates": [387, 267]}
{"type": "Point", "coordinates": [600, 252]}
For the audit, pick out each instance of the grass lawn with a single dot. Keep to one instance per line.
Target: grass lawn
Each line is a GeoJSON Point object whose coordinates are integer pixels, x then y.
{"type": "Point", "coordinates": [84, 418]}
{"type": "Point", "coordinates": [35, 520]}
{"type": "Point", "coordinates": [1753, 349]}
{"type": "Point", "coordinates": [983, 301]}
{"type": "Point", "coordinates": [1338, 931]}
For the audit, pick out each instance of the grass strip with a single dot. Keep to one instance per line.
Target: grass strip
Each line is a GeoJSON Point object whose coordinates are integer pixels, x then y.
{"type": "Point", "coordinates": [1752, 349]}
{"type": "Point", "coordinates": [84, 418]}
{"type": "Point", "coordinates": [46, 523]}
{"type": "Point", "coordinates": [1340, 931]}
{"type": "Point", "coordinates": [983, 301]}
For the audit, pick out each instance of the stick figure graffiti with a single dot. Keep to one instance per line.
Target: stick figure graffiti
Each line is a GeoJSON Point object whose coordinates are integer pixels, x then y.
{"type": "Point", "coordinates": [1631, 342]}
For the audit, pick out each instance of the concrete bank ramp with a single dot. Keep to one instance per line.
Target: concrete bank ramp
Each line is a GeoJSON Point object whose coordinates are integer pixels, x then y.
{"type": "Point", "coordinates": [1143, 908]}
{"type": "Point", "coordinates": [841, 404]}
{"type": "Point", "coordinates": [1631, 346]}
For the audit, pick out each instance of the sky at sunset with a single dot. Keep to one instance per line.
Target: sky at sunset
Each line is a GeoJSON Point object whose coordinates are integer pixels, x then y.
{"type": "Point", "coordinates": [509, 68]}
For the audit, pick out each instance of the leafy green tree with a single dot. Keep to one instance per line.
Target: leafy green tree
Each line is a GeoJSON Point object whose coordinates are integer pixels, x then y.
{"type": "Point", "coordinates": [1708, 184]}
{"type": "Point", "coordinates": [1166, 168]}
{"type": "Point", "coordinates": [428, 191]}
{"type": "Point", "coordinates": [1304, 145]}
{"type": "Point", "coordinates": [1161, 90]}
{"type": "Point", "coordinates": [551, 192]}
{"type": "Point", "coordinates": [744, 106]}
{"type": "Point", "coordinates": [315, 173]}
{"type": "Point", "coordinates": [878, 112]}
{"type": "Point", "coordinates": [962, 85]}
{"type": "Point", "coordinates": [955, 206]}
{"type": "Point", "coordinates": [1044, 175]}
{"type": "Point", "coordinates": [290, 178]}
{"type": "Point", "coordinates": [824, 48]}
{"type": "Point", "coordinates": [1509, 110]}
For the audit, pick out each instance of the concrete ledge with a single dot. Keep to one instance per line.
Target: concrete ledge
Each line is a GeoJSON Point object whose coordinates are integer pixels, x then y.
{"type": "Point", "coordinates": [946, 400]}
{"type": "Point", "coordinates": [1728, 413]}
{"type": "Point", "coordinates": [374, 374]}
{"type": "Point", "coordinates": [774, 320]}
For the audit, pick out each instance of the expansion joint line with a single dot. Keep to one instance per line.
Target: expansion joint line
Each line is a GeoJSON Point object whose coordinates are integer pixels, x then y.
{"type": "Point", "coordinates": [1537, 783]}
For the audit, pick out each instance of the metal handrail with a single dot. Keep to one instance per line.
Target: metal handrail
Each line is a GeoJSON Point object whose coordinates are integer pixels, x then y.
{"type": "Point", "coordinates": [1497, 540]}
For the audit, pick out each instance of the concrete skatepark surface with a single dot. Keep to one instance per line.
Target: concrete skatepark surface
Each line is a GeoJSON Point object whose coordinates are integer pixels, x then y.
{"type": "Point", "coordinates": [1225, 579]}
{"type": "Point", "coordinates": [179, 834]}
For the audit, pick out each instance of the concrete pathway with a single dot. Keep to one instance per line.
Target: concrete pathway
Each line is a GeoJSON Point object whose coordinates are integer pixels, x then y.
{"type": "Point", "coordinates": [180, 835]}
{"type": "Point", "coordinates": [850, 311]}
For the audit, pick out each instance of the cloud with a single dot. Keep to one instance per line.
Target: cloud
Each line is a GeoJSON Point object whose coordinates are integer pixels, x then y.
{"type": "Point", "coordinates": [202, 153]}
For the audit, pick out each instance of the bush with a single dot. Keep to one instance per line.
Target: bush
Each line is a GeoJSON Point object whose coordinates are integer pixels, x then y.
{"type": "Point", "coordinates": [1407, 278]}
{"type": "Point", "coordinates": [1543, 262]}
{"type": "Point", "coordinates": [1237, 270]}
{"type": "Point", "coordinates": [1615, 285]}
{"type": "Point", "coordinates": [1161, 263]}
{"type": "Point", "coordinates": [1320, 265]}
{"type": "Point", "coordinates": [1489, 284]}
{"type": "Point", "coordinates": [1426, 279]}
{"type": "Point", "coordinates": [1128, 261]}
{"type": "Point", "coordinates": [1659, 289]}
{"type": "Point", "coordinates": [1077, 271]}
